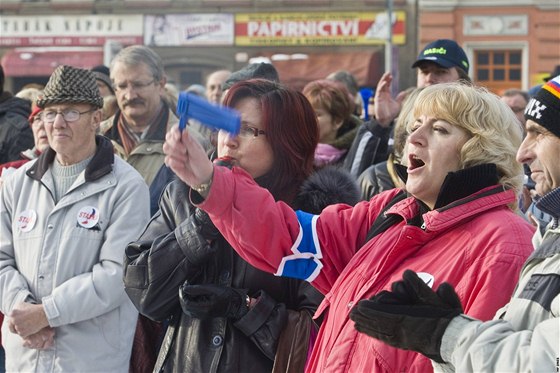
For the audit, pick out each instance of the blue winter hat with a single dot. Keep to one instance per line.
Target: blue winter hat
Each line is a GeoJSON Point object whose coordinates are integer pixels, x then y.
{"type": "Point", "coordinates": [444, 52]}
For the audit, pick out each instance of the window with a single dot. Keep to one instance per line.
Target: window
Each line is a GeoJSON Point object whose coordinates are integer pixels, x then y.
{"type": "Point", "coordinates": [498, 70]}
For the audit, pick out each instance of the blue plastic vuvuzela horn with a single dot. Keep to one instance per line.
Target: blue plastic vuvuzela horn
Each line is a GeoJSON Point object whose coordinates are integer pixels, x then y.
{"type": "Point", "coordinates": [216, 117]}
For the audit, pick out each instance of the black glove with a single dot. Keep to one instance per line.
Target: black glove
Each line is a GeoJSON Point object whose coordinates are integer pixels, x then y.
{"type": "Point", "coordinates": [208, 301]}
{"type": "Point", "coordinates": [411, 316]}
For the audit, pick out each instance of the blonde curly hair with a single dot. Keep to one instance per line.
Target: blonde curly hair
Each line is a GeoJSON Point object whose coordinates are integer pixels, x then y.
{"type": "Point", "coordinates": [495, 133]}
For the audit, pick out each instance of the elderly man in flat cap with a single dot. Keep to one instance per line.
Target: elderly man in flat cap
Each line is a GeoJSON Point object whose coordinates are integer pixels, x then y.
{"type": "Point", "coordinates": [65, 219]}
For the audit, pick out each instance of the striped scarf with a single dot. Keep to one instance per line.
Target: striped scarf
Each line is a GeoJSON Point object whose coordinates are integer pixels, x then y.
{"type": "Point", "coordinates": [131, 139]}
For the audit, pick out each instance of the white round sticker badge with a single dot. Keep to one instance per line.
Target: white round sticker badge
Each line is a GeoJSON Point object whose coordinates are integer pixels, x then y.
{"type": "Point", "coordinates": [88, 216]}
{"type": "Point", "coordinates": [26, 220]}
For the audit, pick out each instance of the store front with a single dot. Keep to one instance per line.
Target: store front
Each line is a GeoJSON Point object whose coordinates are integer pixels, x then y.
{"type": "Point", "coordinates": [33, 46]}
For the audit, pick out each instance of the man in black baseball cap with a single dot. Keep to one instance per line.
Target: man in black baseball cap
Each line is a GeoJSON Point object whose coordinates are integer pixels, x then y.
{"type": "Point", "coordinates": [441, 61]}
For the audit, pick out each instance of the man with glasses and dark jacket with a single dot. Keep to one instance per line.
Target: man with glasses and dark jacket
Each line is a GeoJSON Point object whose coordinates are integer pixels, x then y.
{"type": "Point", "coordinates": [138, 128]}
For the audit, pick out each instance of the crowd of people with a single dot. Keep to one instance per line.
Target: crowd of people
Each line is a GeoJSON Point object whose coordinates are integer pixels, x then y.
{"type": "Point", "coordinates": [422, 237]}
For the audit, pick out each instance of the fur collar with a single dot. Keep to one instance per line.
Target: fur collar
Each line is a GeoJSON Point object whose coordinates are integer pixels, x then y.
{"type": "Point", "coordinates": [327, 186]}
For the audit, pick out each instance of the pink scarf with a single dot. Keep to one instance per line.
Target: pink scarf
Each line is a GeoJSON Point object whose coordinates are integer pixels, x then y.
{"type": "Point", "coordinates": [327, 154]}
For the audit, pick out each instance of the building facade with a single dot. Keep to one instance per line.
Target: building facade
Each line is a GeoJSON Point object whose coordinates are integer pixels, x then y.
{"type": "Point", "coordinates": [510, 46]}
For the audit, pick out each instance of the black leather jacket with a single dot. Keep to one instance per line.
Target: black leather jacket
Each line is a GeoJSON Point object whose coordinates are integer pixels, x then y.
{"type": "Point", "coordinates": [174, 248]}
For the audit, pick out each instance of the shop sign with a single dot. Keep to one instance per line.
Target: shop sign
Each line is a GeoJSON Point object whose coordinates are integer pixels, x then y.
{"type": "Point", "coordinates": [188, 29]}
{"type": "Point", "coordinates": [327, 28]}
{"type": "Point", "coordinates": [70, 30]}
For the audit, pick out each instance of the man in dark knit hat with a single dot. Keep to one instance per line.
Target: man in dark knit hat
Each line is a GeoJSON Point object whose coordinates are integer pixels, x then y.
{"type": "Point", "coordinates": [102, 76]}
{"type": "Point", "coordinates": [65, 219]}
{"type": "Point", "coordinates": [525, 334]}
{"type": "Point", "coordinates": [260, 70]}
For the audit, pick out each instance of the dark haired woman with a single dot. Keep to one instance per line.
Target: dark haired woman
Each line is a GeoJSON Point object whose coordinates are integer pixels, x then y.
{"type": "Point", "coordinates": [225, 315]}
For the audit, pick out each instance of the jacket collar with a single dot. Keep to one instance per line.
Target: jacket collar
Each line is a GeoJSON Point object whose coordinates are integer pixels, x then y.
{"type": "Point", "coordinates": [458, 188]}
{"type": "Point", "coordinates": [347, 134]}
{"type": "Point", "coordinates": [100, 165]}
{"type": "Point", "coordinates": [550, 203]}
{"type": "Point", "coordinates": [461, 183]}
{"type": "Point", "coordinates": [495, 196]}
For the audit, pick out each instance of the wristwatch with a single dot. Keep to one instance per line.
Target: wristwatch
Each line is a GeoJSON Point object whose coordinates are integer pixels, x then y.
{"type": "Point", "coordinates": [203, 188]}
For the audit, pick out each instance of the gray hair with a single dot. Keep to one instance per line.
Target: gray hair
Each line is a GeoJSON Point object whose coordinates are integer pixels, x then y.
{"type": "Point", "coordinates": [138, 54]}
{"type": "Point", "coordinates": [346, 78]}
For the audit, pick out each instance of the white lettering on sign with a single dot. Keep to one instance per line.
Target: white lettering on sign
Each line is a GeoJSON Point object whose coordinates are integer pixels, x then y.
{"type": "Point", "coordinates": [77, 25]}
{"type": "Point", "coordinates": [302, 28]}
{"type": "Point", "coordinates": [87, 25]}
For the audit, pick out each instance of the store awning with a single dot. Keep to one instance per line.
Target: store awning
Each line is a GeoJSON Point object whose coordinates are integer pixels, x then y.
{"type": "Point", "coordinates": [367, 67]}
{"type": "Point", "coordinates": [22, 62]}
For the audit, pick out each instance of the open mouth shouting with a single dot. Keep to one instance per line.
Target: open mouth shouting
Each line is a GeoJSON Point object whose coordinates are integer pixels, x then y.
{"type": "Point", "coordinates": [414, 162]}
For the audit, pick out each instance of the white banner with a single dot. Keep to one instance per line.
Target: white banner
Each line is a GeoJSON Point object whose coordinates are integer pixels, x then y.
{"type": "Point", "coordinates": [70, 30]}
{"type": "Point", "coordinates": [188, 29]}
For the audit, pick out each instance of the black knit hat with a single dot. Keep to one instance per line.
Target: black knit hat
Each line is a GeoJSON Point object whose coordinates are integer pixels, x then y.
{"type": "Point", "coordinates": [544, 107]}
{"type": "Point", "coordinates": [253, 71]}
{"type": "Point", "coordinates": [102, 73]}
{"type": "Point", "coordinates": [69, 84]}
